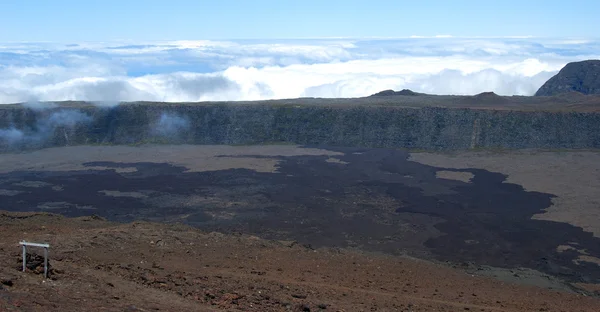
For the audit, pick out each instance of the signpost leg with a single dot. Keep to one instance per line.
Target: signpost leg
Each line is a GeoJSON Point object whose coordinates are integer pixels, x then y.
{"type": "Point", "coordinates": [24, 257]}
{"type": "Point", "coordinates": [45, 262]}
{"type": "Point", "coordinates": [45, 246]}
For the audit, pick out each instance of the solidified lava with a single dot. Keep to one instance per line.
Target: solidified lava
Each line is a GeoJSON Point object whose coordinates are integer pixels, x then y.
{"type": "Point", "coordinates": [373, 199]}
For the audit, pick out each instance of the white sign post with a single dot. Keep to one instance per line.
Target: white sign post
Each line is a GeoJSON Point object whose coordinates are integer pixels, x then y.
{"type": "Point", "coordinates": [45, 246]}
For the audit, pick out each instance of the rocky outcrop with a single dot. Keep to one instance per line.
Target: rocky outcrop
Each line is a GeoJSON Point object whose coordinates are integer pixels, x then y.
{"type": "Point", "coordinates": [582, 77]}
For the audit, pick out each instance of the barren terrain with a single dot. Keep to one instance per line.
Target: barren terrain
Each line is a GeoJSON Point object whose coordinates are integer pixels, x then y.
{"type": "Point", "coordinates": [339, 228]}
{"type": "Point", "coordinates": [97, 265]}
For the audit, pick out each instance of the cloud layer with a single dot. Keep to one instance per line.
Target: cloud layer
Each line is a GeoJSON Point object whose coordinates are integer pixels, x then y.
{"type": "Point", "coordinates": [252, 70]}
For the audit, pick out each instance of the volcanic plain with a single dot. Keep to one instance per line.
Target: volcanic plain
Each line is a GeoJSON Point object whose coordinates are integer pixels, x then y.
{"type": "Point", "coordinates": [302, 228]}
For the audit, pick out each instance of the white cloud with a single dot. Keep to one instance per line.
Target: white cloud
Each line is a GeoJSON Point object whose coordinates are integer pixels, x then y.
{"type": "Point", "coordinates": [250, 70]}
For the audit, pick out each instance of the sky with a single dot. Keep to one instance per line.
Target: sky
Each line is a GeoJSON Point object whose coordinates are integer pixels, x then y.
{"type": "Point", "coordinates": [111, 51]}
{"type": "Point", "coordinates": [109, 20]}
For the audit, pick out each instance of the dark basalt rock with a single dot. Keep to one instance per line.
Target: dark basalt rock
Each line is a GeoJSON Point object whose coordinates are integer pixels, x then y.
{"type": "Point", "coordinates": [582, 77]}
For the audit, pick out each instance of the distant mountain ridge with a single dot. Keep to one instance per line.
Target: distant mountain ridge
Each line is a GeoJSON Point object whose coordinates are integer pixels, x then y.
{"type": "Point", "coordinates": [405, 92]}
{"type": "Point", "coordinates": [582, 77]}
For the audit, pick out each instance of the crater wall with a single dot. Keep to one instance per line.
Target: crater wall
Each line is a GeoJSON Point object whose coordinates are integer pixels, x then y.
{"type": "Point", "coordinates": [425, 128]}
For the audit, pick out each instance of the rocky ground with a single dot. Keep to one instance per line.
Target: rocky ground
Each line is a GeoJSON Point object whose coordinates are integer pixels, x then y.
{"type": "Point", "coordinates": [340, 229]}
{"type": "Point", "coordinates": [103, 266]}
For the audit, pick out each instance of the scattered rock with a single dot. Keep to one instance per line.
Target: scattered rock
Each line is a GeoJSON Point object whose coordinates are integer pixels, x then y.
{"type": "Point", "coordinates": [229, 299]}
{"type": "Point", "coordinates": [308, 246]}
{"type": "Point", "coordinates": [209, 295]}
{"type": "Point", "coordinates": [258, 272]}
{"type": "Point", "coordinates": [6, 282]}
{"type": "Point", "coordinates": [93, 218]}
{"type": "Point", "coordinates": [288, 243]}
{"type": "Point", "coordinates": [299, 296]}
{"type": "Point", "coordinates": [305, 308]}
{"type": "Point", "coordinates": [156, 266]}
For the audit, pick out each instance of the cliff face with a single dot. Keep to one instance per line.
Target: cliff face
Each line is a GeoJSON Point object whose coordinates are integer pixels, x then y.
{"type": "Point", "coordinates": [582, 77]}
{"type": "Point", "coordinates": [361, 126]}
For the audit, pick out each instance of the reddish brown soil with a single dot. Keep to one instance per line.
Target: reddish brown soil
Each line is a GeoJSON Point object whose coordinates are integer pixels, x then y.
{"type": "Point", "coordinates": [141, 266]}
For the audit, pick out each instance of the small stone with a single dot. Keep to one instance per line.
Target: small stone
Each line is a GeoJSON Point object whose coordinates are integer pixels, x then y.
{"type": "Point", "coordinates": [6, 282]}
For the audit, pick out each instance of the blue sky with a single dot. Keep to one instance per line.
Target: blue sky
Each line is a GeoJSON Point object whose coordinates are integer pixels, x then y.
{"type": "Point", "coordinates": [105, 20]}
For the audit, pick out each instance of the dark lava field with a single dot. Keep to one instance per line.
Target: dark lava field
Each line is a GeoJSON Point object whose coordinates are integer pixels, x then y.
{"type": "Point", "coordinates": [369, 199]}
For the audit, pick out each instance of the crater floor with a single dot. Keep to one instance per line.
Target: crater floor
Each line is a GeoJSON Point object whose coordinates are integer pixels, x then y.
{"type": "Point", "coordinates": [524, 209]}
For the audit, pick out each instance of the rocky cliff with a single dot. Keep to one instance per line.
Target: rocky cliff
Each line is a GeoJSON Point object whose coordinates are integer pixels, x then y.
{"type": "Point", "coordinates": [582, 77]}
{"type": "Point", "coordinates": [430, 128]}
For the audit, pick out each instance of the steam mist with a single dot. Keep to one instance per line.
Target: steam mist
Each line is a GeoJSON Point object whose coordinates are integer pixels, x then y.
{"type": "Point", "coordinates": [46, 128]}
{"type": "Point", "coordinates": [64, 118]}
{"type": "Point", "coordinates": [170, 126]}
{"type": "Point", "coordinates": [11, 136]}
